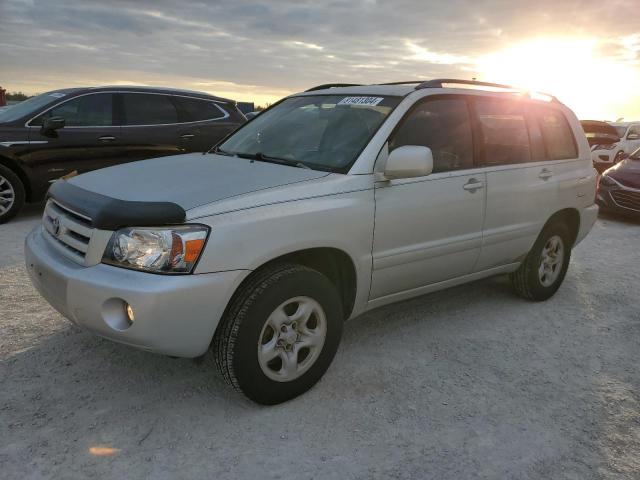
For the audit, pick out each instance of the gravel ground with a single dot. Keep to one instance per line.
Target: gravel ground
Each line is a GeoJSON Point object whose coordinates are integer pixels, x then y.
{"type": "Point", "coordinates": [471, 382]}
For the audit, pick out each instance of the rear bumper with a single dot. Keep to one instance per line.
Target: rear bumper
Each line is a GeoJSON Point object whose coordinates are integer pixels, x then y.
{"type": "Point", "coordinates": [588, 217]}
{"type": "Point", "coordinates": [174, 315]}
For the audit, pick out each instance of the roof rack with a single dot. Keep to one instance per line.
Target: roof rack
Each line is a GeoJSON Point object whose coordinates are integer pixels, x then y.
{"type": "Point", "coordinates": [403, 83]}
{"type": "Point", "coordinates": [333, 85]}
{"type": "Point", "coordinates": [440, 82]}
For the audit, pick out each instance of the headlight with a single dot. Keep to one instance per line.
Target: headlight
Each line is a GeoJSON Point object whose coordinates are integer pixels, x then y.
{"type": "Point", "coordinates": [171, 250]}
{"type": "Point", "coordinates": [607, 181]}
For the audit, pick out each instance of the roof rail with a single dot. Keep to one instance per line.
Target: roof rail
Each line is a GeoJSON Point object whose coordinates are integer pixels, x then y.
{"type": "Point", "coordinates": [333, 85]}
{"type": "Point", "coordinates": [439, 83]}
{"type": "Point", "coordinates": [403, 83]}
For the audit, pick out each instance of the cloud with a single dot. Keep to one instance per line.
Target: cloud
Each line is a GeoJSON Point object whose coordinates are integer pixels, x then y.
{"type": "Point", "coordinates": [249, 47]}
{"type": "Point", "coordinates": [424, 55]}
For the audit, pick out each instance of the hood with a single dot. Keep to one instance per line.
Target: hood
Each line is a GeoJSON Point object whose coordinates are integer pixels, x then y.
{"type": "Point", "coordinates": [599, 133]}
{"type": "Point", "coordinates": [627, 172]}
{"type": "Point", "coordinates": [190, 180]}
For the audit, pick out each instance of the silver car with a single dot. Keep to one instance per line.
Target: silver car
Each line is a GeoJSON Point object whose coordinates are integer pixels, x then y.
{"type": "Point", "coordinates": [330, 203]}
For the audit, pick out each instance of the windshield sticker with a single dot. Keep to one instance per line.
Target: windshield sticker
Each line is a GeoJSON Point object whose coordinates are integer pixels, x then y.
{"type": "Point", "coordinates": [366, 101]}
{"type": "Point", "coordinates": [57, 95]}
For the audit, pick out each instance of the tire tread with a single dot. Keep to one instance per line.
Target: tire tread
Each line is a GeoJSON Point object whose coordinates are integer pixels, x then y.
{"type": "Point", "coordinates": [226, 335]}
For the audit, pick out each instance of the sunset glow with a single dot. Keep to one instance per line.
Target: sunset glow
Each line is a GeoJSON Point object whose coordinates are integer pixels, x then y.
{"type": "Point", "coordinates": [595, 86]}
{"type": "Point", "coordinates": [587, 53]}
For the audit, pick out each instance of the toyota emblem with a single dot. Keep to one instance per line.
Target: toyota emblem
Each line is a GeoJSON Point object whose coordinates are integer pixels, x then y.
{"type": "Point", "coordinates": [56, 226]}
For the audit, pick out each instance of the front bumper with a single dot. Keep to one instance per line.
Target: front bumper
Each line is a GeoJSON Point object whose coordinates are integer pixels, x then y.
{"type": "Point", "coordinates": [619, 199]}
{"type": "Point", "coordinates": [174, 315]}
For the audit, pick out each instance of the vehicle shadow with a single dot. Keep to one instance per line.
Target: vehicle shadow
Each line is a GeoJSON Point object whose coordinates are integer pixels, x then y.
{"type": "Point", "coordinates": [71, 359]}
{"type": "Point", "coordinates": [617, 217]}
{"type": "Point", "coordinates": [30, 211]}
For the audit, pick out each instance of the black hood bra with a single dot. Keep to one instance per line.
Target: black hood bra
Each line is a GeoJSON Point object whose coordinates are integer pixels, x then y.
{"type": "Point", "coordinates": [108, 213]}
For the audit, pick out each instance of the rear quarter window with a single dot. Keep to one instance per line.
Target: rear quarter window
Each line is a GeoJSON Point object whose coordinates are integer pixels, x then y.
{"type": "Point", "coordinates": [196, 110]}
{"type": "Point", "coordinates": [558, 138]}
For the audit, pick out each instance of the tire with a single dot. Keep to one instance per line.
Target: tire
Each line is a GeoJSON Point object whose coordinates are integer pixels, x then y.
{"type": "Point", "coordinates": [248, 329]}
{"type": "Point", "coordinates": [12, 194]}
{"type": "Point", "coordinates": [529, 281]}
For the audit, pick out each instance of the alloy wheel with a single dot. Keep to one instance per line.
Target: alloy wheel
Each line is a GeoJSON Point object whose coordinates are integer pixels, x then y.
{"type": "Point", "coordinates": [7, 195]}
{"type": "Point", "coordinates": [292, 339]}
{"type": "Point", "coordinates": [551, 260]}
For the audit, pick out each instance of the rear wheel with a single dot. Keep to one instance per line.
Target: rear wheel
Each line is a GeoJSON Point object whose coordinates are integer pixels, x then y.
{"type": "Point", "coordinates": [545, 267]}
{"type": "Point", "coordinates": [12, 194]}
{"type": "Point", "coordinates": [279, 333]}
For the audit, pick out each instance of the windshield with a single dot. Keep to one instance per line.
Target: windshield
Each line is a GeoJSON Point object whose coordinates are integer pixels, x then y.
{"type": "Point", "coordinates": [325, 132]}
{"type": "Point", "coordinates": [621, 131]}
{"type": "Point", "coordinates": [30, 106]}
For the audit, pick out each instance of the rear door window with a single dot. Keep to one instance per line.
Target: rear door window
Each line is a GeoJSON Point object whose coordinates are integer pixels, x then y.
{"type": "Point", "coordinates": [558, 138]}
{"type": "Point", "coordinates": [148, 109]}
{"type": "Point", "coordinates": [505, 134]}
{"type": "Point", "coordinates": [196, 110]}
{"type": "Point", "coordinates": [444, 126]}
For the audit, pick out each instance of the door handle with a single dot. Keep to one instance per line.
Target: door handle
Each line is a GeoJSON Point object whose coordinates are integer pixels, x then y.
{"type": "Point", "coordinates": [472, 185]}
{"type": "Point", "coordinates": [545, 174]}
{"type": "Point", "coordinates": [187, 136]}
{"type": "Point", "coordinates": [106, 138]}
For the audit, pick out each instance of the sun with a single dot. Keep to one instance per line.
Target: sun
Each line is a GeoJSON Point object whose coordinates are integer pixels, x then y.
{"type": "Point", "coordinates": [594, 86]}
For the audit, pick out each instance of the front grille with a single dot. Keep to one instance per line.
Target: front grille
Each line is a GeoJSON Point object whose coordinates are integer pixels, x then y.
{"type": "Point", "coordinates": [629, 182]}
{"type": "Point", "coordinates": [70, 231]}
{"type": "Point", "coordinates": [627, 199]}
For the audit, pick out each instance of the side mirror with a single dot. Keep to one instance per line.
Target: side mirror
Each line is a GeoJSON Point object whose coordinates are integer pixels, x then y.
{"type": "Point", "coordinates": [409, 161]}
{"type": "Point", "coordinates": [51, 124]}
{"type": "Point", "coordinates": [633, 136]}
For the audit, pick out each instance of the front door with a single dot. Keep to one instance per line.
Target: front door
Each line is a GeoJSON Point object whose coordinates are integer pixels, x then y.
{"type": "Point", "coordinates": [89, 139]}
{"type": "Point", "coordinates": [429, 229]}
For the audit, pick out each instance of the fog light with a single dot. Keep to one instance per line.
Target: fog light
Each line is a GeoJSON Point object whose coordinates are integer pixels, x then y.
{"type": "Point", "coordinates": [130, 315]}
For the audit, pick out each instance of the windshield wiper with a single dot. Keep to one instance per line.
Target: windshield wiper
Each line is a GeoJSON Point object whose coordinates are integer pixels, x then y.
{"type": "Point", "coordinates": [261, 157]}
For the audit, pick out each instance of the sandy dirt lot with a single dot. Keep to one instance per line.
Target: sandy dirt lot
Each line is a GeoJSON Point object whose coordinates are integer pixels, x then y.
{"type": "Point", "coordinates": [472, 382]}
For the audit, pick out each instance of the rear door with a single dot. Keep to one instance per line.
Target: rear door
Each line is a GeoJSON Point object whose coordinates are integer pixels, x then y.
{"type": "Point", "coordinates": [90, 139]}
{"type": "Point", "coordinates": [203, 122]}
{"type": "Point", "coordinates": [429, 229]}
{"type": "Point", "coordinates": [521, 146]}
{"type": "Point", "coordinates": [149, 125]}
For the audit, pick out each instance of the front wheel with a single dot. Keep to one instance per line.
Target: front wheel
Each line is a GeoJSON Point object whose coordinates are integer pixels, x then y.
{"type": "Point", "coordinates": [12, 194]}
{"type": "Point", "coordinates": [545, 267]}
{"type": "Point", "coordinates": [279, 333]}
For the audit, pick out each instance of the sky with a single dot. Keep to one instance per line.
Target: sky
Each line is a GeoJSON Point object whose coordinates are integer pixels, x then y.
{"type": "Point", "coordinates": [585, 52]}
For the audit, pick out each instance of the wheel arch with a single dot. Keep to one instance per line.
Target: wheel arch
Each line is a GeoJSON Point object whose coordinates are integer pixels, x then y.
{"type": "Point", "coordinates": [334, 263]}
{"type": "Point", "coordinates": [15, 168]}
{"type": "Point", "coordinates": [569, 217]}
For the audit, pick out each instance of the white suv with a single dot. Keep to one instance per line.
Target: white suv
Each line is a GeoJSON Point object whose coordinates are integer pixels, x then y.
{"type": "Point", "coordinates": [332, 202]}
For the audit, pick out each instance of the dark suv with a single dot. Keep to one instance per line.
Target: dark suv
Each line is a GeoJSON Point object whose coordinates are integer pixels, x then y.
{"type": "Point", "coordinates": [81, 129]}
